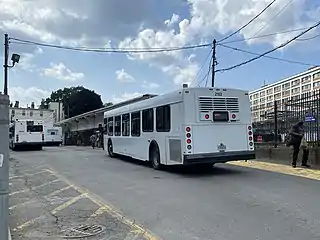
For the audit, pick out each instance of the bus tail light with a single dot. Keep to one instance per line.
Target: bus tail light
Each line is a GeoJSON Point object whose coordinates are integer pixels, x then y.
{"type": "Point", "coordinates": [188, 138]}
{"type": "Point", "coordinates": [17, 138]}
{"type": "Point", "coordinates": [250, 137]}
{"type": "Point", "coordinates": [42, 136]}
{"type": "Point", "coordinates": [207, 116]}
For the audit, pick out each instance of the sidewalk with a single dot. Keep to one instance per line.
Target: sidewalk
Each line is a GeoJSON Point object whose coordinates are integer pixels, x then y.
{"type": "Point", "coordinates": [264, 164]}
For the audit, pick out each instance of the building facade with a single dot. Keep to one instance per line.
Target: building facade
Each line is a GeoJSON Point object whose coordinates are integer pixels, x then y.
{"type": "Point", "coordinates": [58, 109]}
{"type": "Point", "coordinates": [46, 115]}
{"type": "Point", "coordinates": [263, 99]}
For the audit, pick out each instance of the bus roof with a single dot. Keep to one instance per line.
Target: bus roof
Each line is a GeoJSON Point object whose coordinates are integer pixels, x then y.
{"type": "Point", "coordinates": [166, 98]}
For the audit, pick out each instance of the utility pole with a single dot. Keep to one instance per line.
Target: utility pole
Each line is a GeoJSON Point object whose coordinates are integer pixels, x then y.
{"type": "Point", "coordinates": [4, 166]}
{"type": "Point", "coordinates": [213, 61]}
{"type": "Point", "coordinates": [5, 65]}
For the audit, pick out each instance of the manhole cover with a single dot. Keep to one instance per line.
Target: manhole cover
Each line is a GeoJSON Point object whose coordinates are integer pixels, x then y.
{"type": "Point", "coordinates": [83, 231]}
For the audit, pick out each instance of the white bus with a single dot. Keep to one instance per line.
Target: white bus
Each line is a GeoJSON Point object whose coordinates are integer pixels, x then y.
{"type": "Point", "coordinates": [52, 136]}
{"type": "Point", "coordinates": [26, 133]}
{"type": "Point", "coordinates": [189, 126]}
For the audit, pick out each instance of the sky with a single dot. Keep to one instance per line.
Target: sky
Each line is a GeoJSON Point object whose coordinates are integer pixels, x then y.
{"type": "Point", "coordinates": [152, 24]}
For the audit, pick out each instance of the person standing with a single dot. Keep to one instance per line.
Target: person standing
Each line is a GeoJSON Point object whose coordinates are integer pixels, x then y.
{"type": "Point", "coordinates": [93, 140]}
{"type": "Point", "coordinates": [305, 153]}
{"type": "Point", "coordinates": [296, 134]}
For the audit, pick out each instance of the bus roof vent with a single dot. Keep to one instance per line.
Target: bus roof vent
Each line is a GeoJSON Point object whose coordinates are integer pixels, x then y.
{"type": "Point", "coordinates": [207, 104]}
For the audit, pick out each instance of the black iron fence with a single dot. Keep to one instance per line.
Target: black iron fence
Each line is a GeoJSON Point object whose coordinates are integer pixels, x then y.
{"type": "Point", "coordinates": [277, 118]}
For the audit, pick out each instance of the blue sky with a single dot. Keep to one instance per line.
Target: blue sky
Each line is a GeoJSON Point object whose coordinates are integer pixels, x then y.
{"type": "Point", "coordinates": [149, 24]}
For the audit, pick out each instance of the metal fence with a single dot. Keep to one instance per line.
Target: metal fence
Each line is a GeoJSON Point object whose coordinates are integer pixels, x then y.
{"type": "Point", "coordinates": [280, 116]}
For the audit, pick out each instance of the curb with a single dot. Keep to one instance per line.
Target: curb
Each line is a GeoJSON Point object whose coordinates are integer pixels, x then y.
{"type": "Point", "coordinates": [9, 234]}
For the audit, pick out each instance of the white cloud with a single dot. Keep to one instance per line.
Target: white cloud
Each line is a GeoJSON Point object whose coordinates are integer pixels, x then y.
{"type": "Point", "coordinates": [61, 72]}
{"type": "Point", "coordinates": [174, 19]}
{"type": "Point", "coordinates": [150, 85]}
{"type": "Point", "coordinates": [125, 96]}
{"type": "Point", "coordinates": [26, 62]}
{"type": "Point", "coordinates": [124, 77]}
{"type": "Point", "coordinates": [27, 95]}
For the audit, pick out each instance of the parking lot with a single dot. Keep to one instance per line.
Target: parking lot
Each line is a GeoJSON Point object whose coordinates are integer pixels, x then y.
{"type": "Point", "coordinates": [44, 205]}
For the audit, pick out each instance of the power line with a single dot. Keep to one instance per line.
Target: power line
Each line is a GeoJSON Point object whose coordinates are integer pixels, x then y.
{"type": "Point", "coordinates": [206, 76]}
{"type": "Point", "coordinates": [275, 58]}
{"type": "Point", "coordinates": [202, 66]}
{"type": "Point", "coordinates": [275, 16]}
{"type": "Point", "coordinates": [266, 35]}
{"type": "Point", "coordinates": [237, 31]}
{"type": "Point", "coordinates": [310, 38]}
{"type": "Point", "coordinates": [270, 51]}
{"type": "Point", "coordinates": [111, 50]}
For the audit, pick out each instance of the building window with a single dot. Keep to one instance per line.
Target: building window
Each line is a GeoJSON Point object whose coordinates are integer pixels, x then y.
{"type": "Point", "coordinates": [295, 90]}
{"type": "Point", "coordinates": [262, 94]}
{"type": "Point", "coordinates": [255, 96]}
{"type": "Point", "coordinates": [13, 112]}
{"type": "Point", "coordinates": [135, 124]}
{"type": "Point", "coordinates": [277, 89]}
{"type": "Point", "coordinates": [286, 93]}
{"type": "Point", "coordinates": [147, 120]}
{"type": "Point", "coordinates": [316, 84]}
{"type": "Point", "coordinates": [269, 91]}
{"type": "Point", "coordinates": [316, 75]}
{"type": "Point", "coordinates": [295, 82]}
{"type": "Point", "coordinates": [286, 85]}
{"type": "Point", "coordinates": [255, 102]}
{"type": "Point", "coordinates": [41, 113]}
{"type": "Point", "coordinates": [23, 112]}
{"type": "Point", "coordinates": [306, 79]}
{"type": "Point", "coordinates": [277, 96]}
{"type": "Point", "coordinates": [31, 113]}
{"type": "Point", "coordinates": [262, 100]}
{"type": "Point", "coordinates": [306, 87]}
{"type": "Point", "coordinates": [163, 119]}
{"type": "Point", "coordinates": [110, 126]}
{"type": "Point", "coordinates": [269, 98]}
{"type": "Point", "coordinates": [126, 125]}
{"type": "Point", "coordinates": [117, 126]}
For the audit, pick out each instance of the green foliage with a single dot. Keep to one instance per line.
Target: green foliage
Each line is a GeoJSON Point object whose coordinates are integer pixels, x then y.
{"type": "Point", "coordinates": [76, 100]}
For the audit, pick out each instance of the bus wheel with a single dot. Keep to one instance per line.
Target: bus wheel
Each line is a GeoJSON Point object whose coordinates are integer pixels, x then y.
{"type": "Point", "coordinates": [155, 158]}
{"type": "Point", "coordinates": [110, 150]}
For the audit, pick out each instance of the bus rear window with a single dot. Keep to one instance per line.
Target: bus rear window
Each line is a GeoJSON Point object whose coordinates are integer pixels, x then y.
{"type": "Point", "coordinates": [35, 128]}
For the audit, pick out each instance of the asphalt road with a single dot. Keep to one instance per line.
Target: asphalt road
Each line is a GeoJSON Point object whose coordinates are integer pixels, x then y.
{"type": "Point", "coordinates": [227, 203]}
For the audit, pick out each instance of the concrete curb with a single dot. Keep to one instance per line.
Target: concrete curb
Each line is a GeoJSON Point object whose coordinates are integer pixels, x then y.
{"type": "Point", "coordinates": [9, 234]}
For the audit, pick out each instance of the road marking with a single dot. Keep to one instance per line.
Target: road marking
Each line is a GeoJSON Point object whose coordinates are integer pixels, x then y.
{"type": "Point", "coordinates": [68, 203]}
{"type": "Point", "coordinates": [34, 188]}
{"type": "Point", "coordinates": [27, 174]}
{"type": "Point", "coordinates": [108, 208]}
{"type": "Point", "coordinates": [285, 169]}
{"type": "Point", "coordinates": [22, 204]}
{"type": "Point", "coordinates": [100, 211]}
{"type": "Point", "coordinates": [58, 191]}
{"type": "Point", "coordinates": [28, 223]}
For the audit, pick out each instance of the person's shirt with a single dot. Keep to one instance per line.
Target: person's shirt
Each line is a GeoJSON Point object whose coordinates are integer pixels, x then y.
{"type": "Point", "coordinates": [298, 130]}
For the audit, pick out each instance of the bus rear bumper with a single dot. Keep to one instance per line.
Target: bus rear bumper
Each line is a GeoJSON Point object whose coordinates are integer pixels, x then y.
{"type": "Point", "coordinates": [220, 157]}
{"type": "Point", "coordinates": [28, 144]}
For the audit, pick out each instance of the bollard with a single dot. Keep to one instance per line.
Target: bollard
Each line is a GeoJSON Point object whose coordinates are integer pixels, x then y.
{"type": "Point", "coordinates": [4, 166]}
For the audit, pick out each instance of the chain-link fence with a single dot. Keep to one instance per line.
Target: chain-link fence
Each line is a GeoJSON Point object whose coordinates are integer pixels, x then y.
{"type": "Point", "coordinates": [277, 119]}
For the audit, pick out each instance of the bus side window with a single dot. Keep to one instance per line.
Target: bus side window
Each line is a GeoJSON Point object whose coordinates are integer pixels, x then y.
{"type": "Point", "coordinates": [163, 118]}
{"type": "Point", "coordinates": [117, 126]}
{"type": "Point", "coordinates": [147, 120]}
{"type": "Point", "coordinates": [110, 126]}
{"type": "Point", "coordinates": [126, 124]}
{"type": "Point", "coordinates": [135, 124]}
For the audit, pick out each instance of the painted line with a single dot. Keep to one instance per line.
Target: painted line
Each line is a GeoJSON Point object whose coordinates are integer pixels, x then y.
{"type": "Point", "coordinates": [108, 208]}
{"type": "Point", "coordinates": [28, 223]}
{"type": "Point", "coordinates": [34, 188]}
{"type": "Point", "coordinates": [68, 203]}
{"type": "Point", "coordinates": [58, 191]}
{"type": "Point", "coordinates": [99, 212]}
{"type": "Point", "coordinates": [279, 168]}
{"type": "Point", "coordinates": [27, 174]}
{"type": "Point", "coordinates": [22, 204]}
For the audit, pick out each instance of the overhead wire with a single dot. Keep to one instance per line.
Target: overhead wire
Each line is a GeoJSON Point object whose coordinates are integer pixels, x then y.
{"type": "Point", "coordinates": [111, 50]}
{"type": "Point", "coordinates": [202, 66]}
{"type": "Point", "coordinates": [206, 76]}
{"type": "Point", "coordinates": [248, 23]}
{"type": "Point", "coordinates": [270, 57]}
{"type": "Point", "coordinates": [272, 19]}
{"type": "Point", "coordinates": [270, 51]}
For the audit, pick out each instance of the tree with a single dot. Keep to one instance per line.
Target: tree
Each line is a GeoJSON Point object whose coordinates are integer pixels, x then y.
{"type": "Point", "coordinates": [108, 104]}
{"type": "Point", "coordinates": [76, 100]}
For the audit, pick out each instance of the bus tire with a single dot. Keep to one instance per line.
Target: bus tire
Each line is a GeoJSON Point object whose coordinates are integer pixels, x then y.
{"type": "Point", "coordinates": [154, 156]}
{"type": "Point", "coordinates": [110, 149]}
